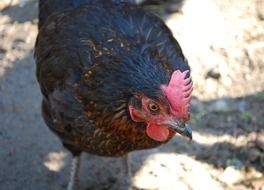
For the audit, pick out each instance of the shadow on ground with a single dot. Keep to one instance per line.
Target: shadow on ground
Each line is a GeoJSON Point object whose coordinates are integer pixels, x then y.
{"type": "Point", "coordinates": [22, 12]}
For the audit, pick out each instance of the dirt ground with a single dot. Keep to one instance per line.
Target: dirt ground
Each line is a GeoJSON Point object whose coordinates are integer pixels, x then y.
{"type": "Point", "coordinates": [224, 43]}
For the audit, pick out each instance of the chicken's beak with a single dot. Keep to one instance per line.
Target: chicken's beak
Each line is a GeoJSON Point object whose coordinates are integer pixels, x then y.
{"type": "Point", "coordinates": [181, 128]}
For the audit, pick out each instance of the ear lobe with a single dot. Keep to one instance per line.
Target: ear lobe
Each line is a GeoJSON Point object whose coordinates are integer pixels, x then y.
{"type": "Point", "coordinates": [134, 114]}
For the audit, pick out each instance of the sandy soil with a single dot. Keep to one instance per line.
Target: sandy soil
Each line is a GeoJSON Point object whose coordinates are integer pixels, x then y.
{"type": "Point", "coordinates": [224, 43]}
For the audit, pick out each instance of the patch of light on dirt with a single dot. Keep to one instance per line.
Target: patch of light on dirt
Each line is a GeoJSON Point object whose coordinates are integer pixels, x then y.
{"type": "Point", "coordinates": [227, 39]}
{"type": "Point", "coordinates": [8, 3]}
{"type": "Point", "coordinates": [169, 171]}
{"type": "Point", "coordinates": [55, 161]}
{"type": "Point", "coordinates": [201, 25]}
{"type": "Point", "coordinates": [210, 139]}
{"type": "Point", "coordinates": [18, 42]}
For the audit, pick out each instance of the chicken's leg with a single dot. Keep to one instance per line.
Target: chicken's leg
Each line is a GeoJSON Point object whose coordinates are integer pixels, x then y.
{"type": "Point", "coordinates": [74, 179]}
{"type": "Point", "coordinates": [126, 177]}
{"type": "Point", "coordinates": [127, 171]}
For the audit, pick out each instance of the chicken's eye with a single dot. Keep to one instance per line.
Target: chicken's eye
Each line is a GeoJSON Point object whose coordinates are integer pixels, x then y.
{"type": "Point", "coordinates": [153, 107]}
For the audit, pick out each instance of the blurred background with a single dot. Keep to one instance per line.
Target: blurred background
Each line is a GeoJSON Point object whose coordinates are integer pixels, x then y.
{"type": "Point", "coordinates": [223, 41]}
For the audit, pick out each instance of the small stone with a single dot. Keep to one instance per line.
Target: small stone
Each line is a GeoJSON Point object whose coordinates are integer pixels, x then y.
{"type": "Point", "coordinates": [213, 74]}
{"type": "Point", "coordinates": [230, 175]}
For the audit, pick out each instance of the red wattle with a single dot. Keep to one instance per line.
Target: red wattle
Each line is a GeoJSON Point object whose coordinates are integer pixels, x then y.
{"type": "Point", "coordinates": [158, 132]}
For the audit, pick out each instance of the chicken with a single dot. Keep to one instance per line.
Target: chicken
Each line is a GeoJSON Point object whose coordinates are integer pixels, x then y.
{"type": "Point", "coordinates": [113, 78]}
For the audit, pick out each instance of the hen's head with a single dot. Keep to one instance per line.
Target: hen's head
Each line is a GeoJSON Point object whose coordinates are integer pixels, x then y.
{"type": "Point", "coordinates": [167, 114]}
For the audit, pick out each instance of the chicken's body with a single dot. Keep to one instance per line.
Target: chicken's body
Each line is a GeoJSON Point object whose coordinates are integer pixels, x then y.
{"type": "Point", "coordinates": [92, 58]}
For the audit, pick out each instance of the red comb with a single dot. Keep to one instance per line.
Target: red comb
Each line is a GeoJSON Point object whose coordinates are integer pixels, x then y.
{"type": "Point", "coordinates": [178, 93]}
